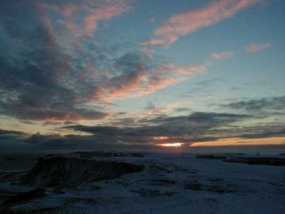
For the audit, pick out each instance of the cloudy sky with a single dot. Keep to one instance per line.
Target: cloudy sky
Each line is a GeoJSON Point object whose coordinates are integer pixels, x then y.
{"type": "Point", "coordinates": [141, 73]}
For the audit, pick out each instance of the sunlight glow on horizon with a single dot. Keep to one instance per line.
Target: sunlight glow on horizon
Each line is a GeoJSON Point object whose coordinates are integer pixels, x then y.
{"type": "Point", "coordinates": [170, 144]}
{"type": "Point", "coordinates": [242, 142]}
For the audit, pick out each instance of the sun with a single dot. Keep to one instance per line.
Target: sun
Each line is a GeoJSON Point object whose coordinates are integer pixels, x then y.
{"type": "Point", "coordinates": [170, 144]}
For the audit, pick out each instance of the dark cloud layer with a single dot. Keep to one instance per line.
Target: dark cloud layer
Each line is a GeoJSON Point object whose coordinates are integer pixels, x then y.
{"type": "Point", "coordinates": [266, 132]}
{"type": "Point", "coordinates": [7, 132]}
{"type": "Point", "coordinates": [192, 128]}
{"type": "Point", "coordinates": [10, 135]}
{"type": "Point", "coordinates": [197, 127]}
{"type": "Point", "coordinates": [263, 104]}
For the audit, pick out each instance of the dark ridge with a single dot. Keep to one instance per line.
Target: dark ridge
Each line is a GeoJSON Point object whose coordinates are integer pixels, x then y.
{"type": "Point", "coordinates": [108, 154]}
{"type": "Point", "coordinates": [70, 172]}
{"type": "Point", "coordinates": [258, 160]}
{"type": "Point", "coordinates": [24, 197]}
{"type": "Point", "coordinates": [240, 158]}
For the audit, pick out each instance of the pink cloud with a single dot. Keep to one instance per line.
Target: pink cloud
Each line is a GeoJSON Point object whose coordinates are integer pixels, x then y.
{"type": "Point", "coordinates": [223, 55]}
{"type": "Point", "coordinates": [189, 70]}
{"type": "Point", "coordinates": [104, 13]}
{"type": "Point", "coordinates": [143, 89]}
{"type": "Point", "coordinates": [257, 47]}
{"type": "Point", "coordinates": [160, 84]}
{"type": "Point", "coordinates": [170, 74]}
{"type": "Point", "coordinates": [193, 20]}
{"type": "Point", "coordinates": [145, 82]}
{"type": "Point", "coordinates": [80, 19]}
{"type": "Point", "coordinates": [147, 51]}
{"type": "Point", "coordinates": [135, 88]}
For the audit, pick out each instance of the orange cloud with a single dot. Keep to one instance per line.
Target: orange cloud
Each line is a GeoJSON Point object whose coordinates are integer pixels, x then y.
{"type": "Point", "coordinates": [257, 47]}
{"type": "Point", "coordinates": [191, 21]}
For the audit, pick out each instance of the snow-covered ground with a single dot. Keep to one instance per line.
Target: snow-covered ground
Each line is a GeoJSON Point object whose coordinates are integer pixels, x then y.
{"type": "Point", "coordinates": [172, 183]}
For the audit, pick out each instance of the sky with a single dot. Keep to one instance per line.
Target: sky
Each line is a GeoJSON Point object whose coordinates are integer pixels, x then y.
{"type": "Point", "coordinates": [143, 74]}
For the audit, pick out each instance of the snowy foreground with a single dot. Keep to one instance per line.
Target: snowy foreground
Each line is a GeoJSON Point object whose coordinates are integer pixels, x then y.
{"type": "Point", "coordinates": [169, 184]}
